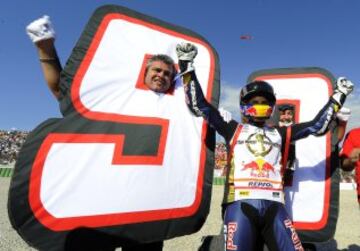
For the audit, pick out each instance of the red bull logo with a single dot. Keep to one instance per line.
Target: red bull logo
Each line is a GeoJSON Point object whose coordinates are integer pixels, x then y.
{"type": "Point", "coordinates": [251, 111]}
{"type": "Point", "coordinates": [259, 168]}
{"type": "Point", "coordinates": [259, 111]}
{"type": "Point", "coordinates": [269, 112]}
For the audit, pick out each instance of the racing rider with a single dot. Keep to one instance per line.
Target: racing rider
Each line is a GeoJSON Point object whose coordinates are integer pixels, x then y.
{"type": "Point", "coordinates": [254, 201]}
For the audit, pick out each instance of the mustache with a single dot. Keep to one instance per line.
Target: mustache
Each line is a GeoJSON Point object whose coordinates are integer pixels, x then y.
{"type": "Point", "coordinates": [286, 120]}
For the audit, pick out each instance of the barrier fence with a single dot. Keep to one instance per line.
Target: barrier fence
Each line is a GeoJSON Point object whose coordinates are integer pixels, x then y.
{"type": "Point", "coordinates": [7, 172]}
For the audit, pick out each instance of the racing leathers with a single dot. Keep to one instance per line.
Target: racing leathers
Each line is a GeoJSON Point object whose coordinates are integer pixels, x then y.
{"type": "Point", "coordinates": [254, 199]}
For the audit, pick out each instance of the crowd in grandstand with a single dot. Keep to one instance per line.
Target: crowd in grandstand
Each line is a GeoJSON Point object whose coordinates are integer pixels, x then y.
{"type": "Point", "coordinates": [10, 145]}
{"type": "Point", "coordinates": [220, 159]}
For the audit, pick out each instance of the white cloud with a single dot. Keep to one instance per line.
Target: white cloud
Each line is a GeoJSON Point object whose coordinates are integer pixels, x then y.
{"type": "Point", "coordinates": [229, 99]}
{"type": "Point", "coordinates": [353, 102]}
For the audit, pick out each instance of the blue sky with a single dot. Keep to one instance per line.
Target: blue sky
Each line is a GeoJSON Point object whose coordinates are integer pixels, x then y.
{"type": "Point", "coordinates": [286, 33]}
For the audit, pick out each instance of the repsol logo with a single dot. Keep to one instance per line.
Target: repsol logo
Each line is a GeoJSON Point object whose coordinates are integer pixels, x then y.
{"type": "Point", "coordinates": [260, 184]}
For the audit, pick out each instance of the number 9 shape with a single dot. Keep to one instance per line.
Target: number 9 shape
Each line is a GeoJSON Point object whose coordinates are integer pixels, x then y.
{"type": "Point", "coordinates": [124, 160]}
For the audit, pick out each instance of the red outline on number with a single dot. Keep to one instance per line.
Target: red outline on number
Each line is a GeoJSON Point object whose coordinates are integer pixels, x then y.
{"type": "Point", "coordinates": [296, 104]}
{"type": "Point", "coordinates": [68, 223]}
{"type": "Point", "coordinates": [57, 224]}
{"type": "Point", "coordinates": [322, 222]}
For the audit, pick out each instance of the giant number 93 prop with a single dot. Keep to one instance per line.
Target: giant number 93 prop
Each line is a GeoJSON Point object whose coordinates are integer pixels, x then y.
{"type": "Point", "coordinates": [124, 163]}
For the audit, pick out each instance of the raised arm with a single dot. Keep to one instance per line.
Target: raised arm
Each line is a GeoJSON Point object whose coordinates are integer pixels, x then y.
{"type": "Point", "coordinates": [42, 34]}
{"type": "Point", "coordinates": [195, 98]}
{"type": "Point", "coordinates": [320, 124]}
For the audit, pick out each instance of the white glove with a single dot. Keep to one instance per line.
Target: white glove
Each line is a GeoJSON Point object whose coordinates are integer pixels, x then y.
{"type": "Point", "coordinates": [343, 88]}
{"type": "Point", "coordinates": [186, 51]}
{"type": "Point", "coordinates": [343, 114]}
{"type": "Point", "coordinates": [40, 29]}
{"type": "Point", "coordinates": [226, 115]}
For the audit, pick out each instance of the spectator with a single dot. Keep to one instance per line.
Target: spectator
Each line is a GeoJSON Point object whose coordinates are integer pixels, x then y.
{"type": "Point", "coordinates": [286, 114]}
{"type": "Point", "coordinates": [220, 158]}
{"type": "Point", "coordinates": [350, 156]}
{"type": "Point", "coordinates": [10, 145]}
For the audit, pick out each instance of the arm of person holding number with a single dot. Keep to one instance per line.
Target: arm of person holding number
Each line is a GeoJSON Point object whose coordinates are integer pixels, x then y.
{"type": "Point", "coordinates": [42, 34]}
{"type": "Point", "coordinates": [321, 123]}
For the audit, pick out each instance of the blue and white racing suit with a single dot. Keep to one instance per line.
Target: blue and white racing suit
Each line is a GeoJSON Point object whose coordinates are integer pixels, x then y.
{"type": "Point", "coordinates": [254, 199]}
